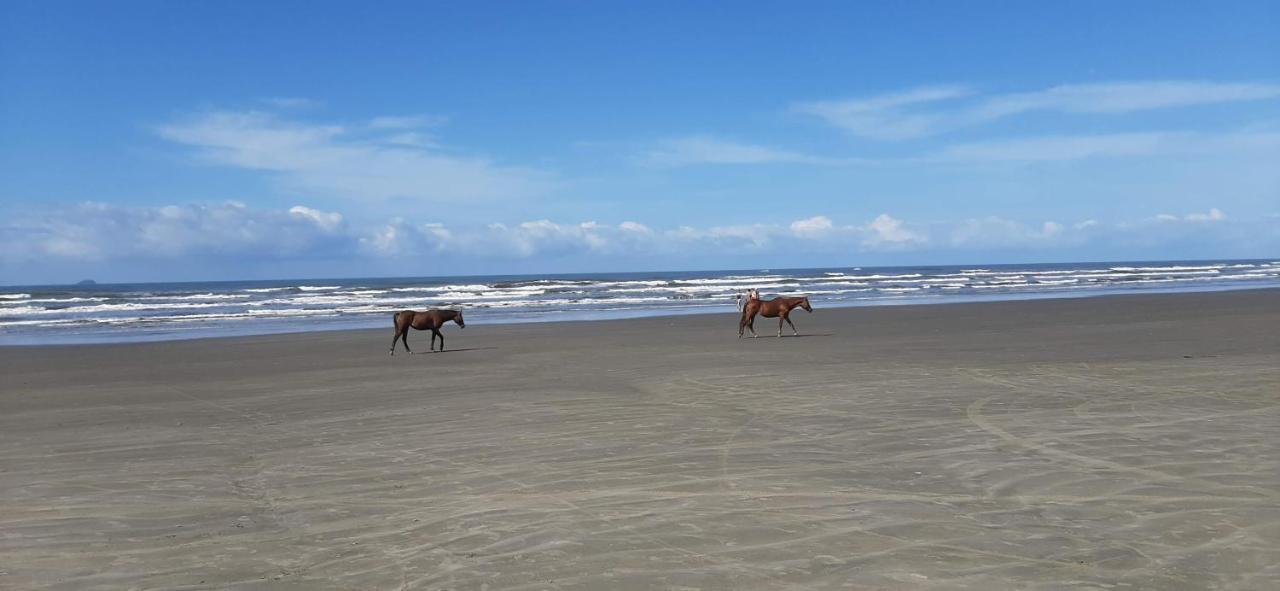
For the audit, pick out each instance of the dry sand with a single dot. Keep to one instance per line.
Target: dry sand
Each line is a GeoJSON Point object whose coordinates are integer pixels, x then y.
{"type": "Point", "coordinates": [1120, 443]}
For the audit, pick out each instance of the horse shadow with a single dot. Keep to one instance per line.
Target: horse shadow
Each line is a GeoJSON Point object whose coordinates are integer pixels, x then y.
{"type": "Point", "coordinates": [457, 350]}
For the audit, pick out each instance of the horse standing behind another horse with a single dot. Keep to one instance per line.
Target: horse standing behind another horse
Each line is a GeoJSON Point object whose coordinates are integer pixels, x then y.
{"type": "Point", "coordinates": [779, 308]}
{"type": "Point", "coordinates": [431, 319]}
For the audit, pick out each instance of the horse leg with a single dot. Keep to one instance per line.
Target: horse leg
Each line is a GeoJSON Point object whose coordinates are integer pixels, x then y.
{"type": "Point", "coordinates": [404, 338]}
{"type": "Point", "coordinates": [793, 327]}
{"type": "Point", "coordinates": [395, 321]}
{"type": "Point", "coordinates": [781, 319]}
{"type": "Point", "coordinates": [751, 326]}
{"type": "Point", "coordinates": [436, 333]}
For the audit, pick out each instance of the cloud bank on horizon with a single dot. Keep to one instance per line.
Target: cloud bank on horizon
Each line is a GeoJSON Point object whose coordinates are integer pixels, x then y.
{"type": "Point", "coordinates": [679, 165]}
{"type": "Point", "coordinates": [86, 235]}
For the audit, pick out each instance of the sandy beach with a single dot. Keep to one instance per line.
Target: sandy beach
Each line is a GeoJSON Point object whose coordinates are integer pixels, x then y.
{"type": "Point", "coordinates": [1127, 442]}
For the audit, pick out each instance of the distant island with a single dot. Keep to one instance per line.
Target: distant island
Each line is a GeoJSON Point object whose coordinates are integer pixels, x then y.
{"type": "Point", "coordinates": [86, 282]}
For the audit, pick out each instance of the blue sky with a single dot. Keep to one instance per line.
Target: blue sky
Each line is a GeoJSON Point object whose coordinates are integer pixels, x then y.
{"type": "Point", "coordinates": [210, 140]}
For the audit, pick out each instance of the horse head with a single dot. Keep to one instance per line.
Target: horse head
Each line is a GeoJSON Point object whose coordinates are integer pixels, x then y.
{"type": "Point", "coordinates": [804, 303]}
{"type": "Point", "coordinates": [457, 317]}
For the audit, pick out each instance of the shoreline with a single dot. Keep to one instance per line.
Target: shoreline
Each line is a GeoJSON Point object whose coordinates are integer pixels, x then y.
{"type": "Point", "coordinates": [641, 314]}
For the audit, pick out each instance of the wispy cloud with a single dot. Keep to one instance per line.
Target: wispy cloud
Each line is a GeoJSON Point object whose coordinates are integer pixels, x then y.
{"type": "Point", "coordinates": [291, 102]}
{"type": "Point", "coordinates": [894, 116]}
{"type": "Point", "coordinates": [407, 122]}
{"type": "Point", "coordinates": [936, 110]}
{"type": "Point", "coordinates": [1213, 215]}
{"type": "Point", "coordinates": [1078, 147]}
{"type": "Point", "coordinates": [703, 149]}
{"type": "Point", "coordinates": [334, 160]}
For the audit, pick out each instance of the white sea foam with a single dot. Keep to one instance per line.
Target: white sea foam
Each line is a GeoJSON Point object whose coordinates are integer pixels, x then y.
{"type": "Point", "coordinates": [732, 280]}
{"type": "Point", "coordinates": [14, 296]}
{"type": "Point", "coordinates": [867, 277]}
{"type": "Point", "coordinates": [1250, 276]}
{"type": "Point", "coordinates": [1062, 272]}
{"type": "Point", "coordinates": [1009, 285]}
{"type": "Point", "coordinates": [55, 301]}
{"type": "Point", "coordinates": [327, 300]}
{"type": "Point", "coordinates": [42, 322]}
{"type": "Point", "coordinates": [198, 296]}
{"type": "Point", "coordinates": [1173, 268]}
{"type": "Point", "coordinates": [22, 310]}
{"type": "Point", "coordinates": [107, 308]}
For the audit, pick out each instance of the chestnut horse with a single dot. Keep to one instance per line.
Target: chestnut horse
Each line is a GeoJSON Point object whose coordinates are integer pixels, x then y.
{"type": "Point", "coordinates": [431, 319]}
{"type": "Point", "coordinates": [779, 308]}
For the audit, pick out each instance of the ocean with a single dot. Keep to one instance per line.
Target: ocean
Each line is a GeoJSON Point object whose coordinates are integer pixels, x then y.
{"type": "Point", "coordinates": [32, 315]}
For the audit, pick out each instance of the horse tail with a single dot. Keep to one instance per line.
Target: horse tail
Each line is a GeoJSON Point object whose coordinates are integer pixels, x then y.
{"type": "Point", "coordinates": [395, 320]}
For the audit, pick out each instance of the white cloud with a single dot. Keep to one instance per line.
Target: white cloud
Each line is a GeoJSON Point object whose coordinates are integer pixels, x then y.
{"type": "Point", "coordinates": [635, 227]}
{"type": "Point", "coordinates": [1213, 215]}
{"type": "Point", "coordinates": [886, 230]}
{"type": "Point", "coordinates": [995, 232]}
{"type": "Point", "coordinates": [813, 227]}
{"type": "Point", "coordinates": [332, 160]}
{"type": "Point", "coordinates": [930, 111]}
{"type": "Point", "coordinates": [400, 238]}
{"type": "Point", "coordinates": [100, 232]}
{"type": "Point", "coordinates": [327, 221]}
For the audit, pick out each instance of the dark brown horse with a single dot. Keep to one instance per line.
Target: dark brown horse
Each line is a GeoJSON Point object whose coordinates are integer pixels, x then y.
{"type": "Point", "coordinates": [431, 319]}
{"type": "Point", "coordinates": [779, 308]}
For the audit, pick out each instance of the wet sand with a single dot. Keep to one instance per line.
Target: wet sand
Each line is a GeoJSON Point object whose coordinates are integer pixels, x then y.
{"type": "Point", "coordinates": [1128, 442]}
